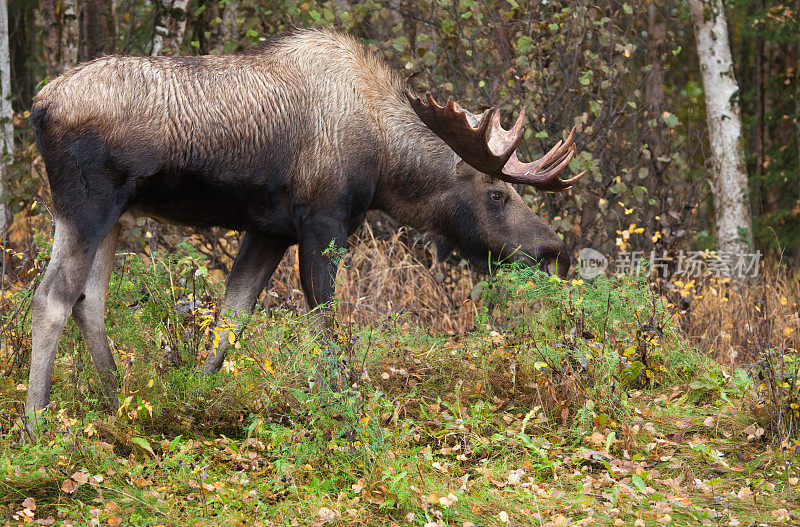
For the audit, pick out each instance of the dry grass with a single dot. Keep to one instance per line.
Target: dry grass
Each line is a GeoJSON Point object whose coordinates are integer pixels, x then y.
{"type": "Point", "coordinates": [392, 274]}
{"type": "Point", "coordinates": [737, 323]}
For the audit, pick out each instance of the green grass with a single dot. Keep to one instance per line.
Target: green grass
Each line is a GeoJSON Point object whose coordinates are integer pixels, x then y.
{"type": "Point", "coordinates": [570, 401]}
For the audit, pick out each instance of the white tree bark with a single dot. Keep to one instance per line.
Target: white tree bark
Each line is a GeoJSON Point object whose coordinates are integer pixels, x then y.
{"type": "Point", "coordinates": [170, 26]}
{"type": "Point", "coordinates": [729, 174]}
{"type": "Point", "coordinates": [70, 33]}
{"type": "Point", "coordinates": [6, 113]}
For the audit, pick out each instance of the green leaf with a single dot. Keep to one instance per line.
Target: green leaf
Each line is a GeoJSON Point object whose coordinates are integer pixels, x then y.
{"type": "Point", "coordinates": [174, 443]}
{"type": "Point", "coordinates": [144, 444]}
{"type": "Point", "coordinates": [670, 119]}
{"type": "Point", "coordinates": [541, 135]}
{"type": "Point", "coordinates": [610, 441]}
{"type": "Point", "coordinates": [638, 482]}
{"type": "Point", "coordinates": [628, 9]}
{"type": "Point", "coordinates": [524, 44]}
{"type": "Point", "coordinates": [448, 25]}
{"type": "Point", "coordinates": [632, 372]}
{"type": "Point", "coordinates": [400, 43]}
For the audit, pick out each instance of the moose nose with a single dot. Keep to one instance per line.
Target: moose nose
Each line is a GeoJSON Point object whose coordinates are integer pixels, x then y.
{"type": "Point", "coordinates": [563, 263]}
{"type": "Point", "coordinates": [557, 262]}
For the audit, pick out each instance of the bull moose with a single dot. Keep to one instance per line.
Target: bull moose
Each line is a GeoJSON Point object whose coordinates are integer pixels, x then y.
{"type": "Point", "coordinates": [292, 142]}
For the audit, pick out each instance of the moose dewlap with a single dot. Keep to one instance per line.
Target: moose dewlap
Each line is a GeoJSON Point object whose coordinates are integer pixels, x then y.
{"type": "Point", "coordinates": [291, 142]}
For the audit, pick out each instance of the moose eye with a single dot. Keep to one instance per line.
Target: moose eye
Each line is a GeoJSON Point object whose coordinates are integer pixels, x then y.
{"type": "Point", "coordinates": [496, 196]}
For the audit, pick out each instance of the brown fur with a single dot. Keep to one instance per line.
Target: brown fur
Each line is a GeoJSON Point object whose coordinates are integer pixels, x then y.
{"type": "Point", "coordinates": [231, 105]}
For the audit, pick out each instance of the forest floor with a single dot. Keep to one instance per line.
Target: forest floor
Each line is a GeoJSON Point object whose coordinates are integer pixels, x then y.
{"type": "Point", "coordinates": [531, 419]}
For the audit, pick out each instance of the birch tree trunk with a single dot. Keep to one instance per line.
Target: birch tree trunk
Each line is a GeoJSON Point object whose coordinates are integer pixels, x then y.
{"type": "Point", "coordinates": [729, 174]}
{"type": "Point", "coordinates": [6, 113]}
{"type": "Point", "coordinates": [170, 28]}
{"type": "Point", "coordinates": [70, 33]}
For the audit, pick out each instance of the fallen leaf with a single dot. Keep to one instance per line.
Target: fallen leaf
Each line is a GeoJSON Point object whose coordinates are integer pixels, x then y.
{"type": "Point", "coordinates": [326, 515]}
{"type": "Point", "coordinates": [68, 486]}
{"type": "Point", "coordinates": [114, 521]}
{"type": "Point", "coordinates": [448, 500]}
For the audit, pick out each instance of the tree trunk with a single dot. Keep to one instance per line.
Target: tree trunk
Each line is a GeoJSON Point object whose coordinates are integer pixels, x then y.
{"type": "Point", "coordinates": [225, 32]}
{"type": "Point", "coordinates": [170, 26]}
{"type": "Point", "coordinates": [760, 128]}
{"type": "Point", "coordinates": [51, 36]}
{"type": "Point", "coordinates": [657, 16]}
{"type": "Point", "coordinates": [70, 34]}
{"type": "Point", "coordinates": [797, 108]}
{"type": "Point", "coordinates": [97, 28]}
{"type": "Point", "coordinates": [6, 113]}
{"type": "Point", "coordinates": [728, 174]}
{"type": "Point", "coordinates": [656, 56]}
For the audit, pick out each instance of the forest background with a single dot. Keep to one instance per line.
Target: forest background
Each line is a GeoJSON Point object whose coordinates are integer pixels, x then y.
{"type": "Point", "coordinates": [625, 74]}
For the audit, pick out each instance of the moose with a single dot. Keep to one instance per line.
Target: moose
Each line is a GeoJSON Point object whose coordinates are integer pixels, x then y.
{"type": "Point", "coordinates": [291, 142]}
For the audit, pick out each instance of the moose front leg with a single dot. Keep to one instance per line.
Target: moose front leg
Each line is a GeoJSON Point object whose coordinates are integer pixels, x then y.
{"type": "Point", "coordinates": [258, 258]}
{"type": "Point", "coordinates": [318, 265]}
{"type": "Point", "coordinates": [321, 242]}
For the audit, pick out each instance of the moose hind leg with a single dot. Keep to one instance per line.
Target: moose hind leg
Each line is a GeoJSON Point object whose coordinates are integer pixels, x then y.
{"type": "Point", "coordinates": [89, 314]}
{"type": "Point", "coordinates": [62, 284]}
{"type": "Point", "coordinates": [258, 258]}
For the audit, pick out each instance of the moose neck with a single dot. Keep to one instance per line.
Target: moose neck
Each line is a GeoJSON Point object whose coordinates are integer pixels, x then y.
{"type": "Point", "coordinates": [419, 174]}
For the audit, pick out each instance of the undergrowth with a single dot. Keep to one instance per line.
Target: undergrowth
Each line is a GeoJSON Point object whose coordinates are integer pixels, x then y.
{"type": "Point", "coordinates": [567, 400]}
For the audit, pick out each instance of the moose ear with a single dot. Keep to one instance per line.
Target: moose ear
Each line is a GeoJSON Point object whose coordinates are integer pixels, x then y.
{"type": "Point", "coordinates": [464, 171]}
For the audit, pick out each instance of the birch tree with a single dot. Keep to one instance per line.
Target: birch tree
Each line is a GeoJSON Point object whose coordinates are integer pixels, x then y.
{"type": "Point", "coordinates": [170, 28]}
{"type": "Point", "coordinates": [728, 174]}
{"type": "Point", "coordinates": [6, 113]}
{"type": "Point", "coordinates": [70, 33]}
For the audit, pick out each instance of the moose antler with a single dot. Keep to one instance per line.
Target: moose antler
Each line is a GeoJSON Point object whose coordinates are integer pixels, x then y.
{"type": "Point", "coordinates": [481, 141]}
